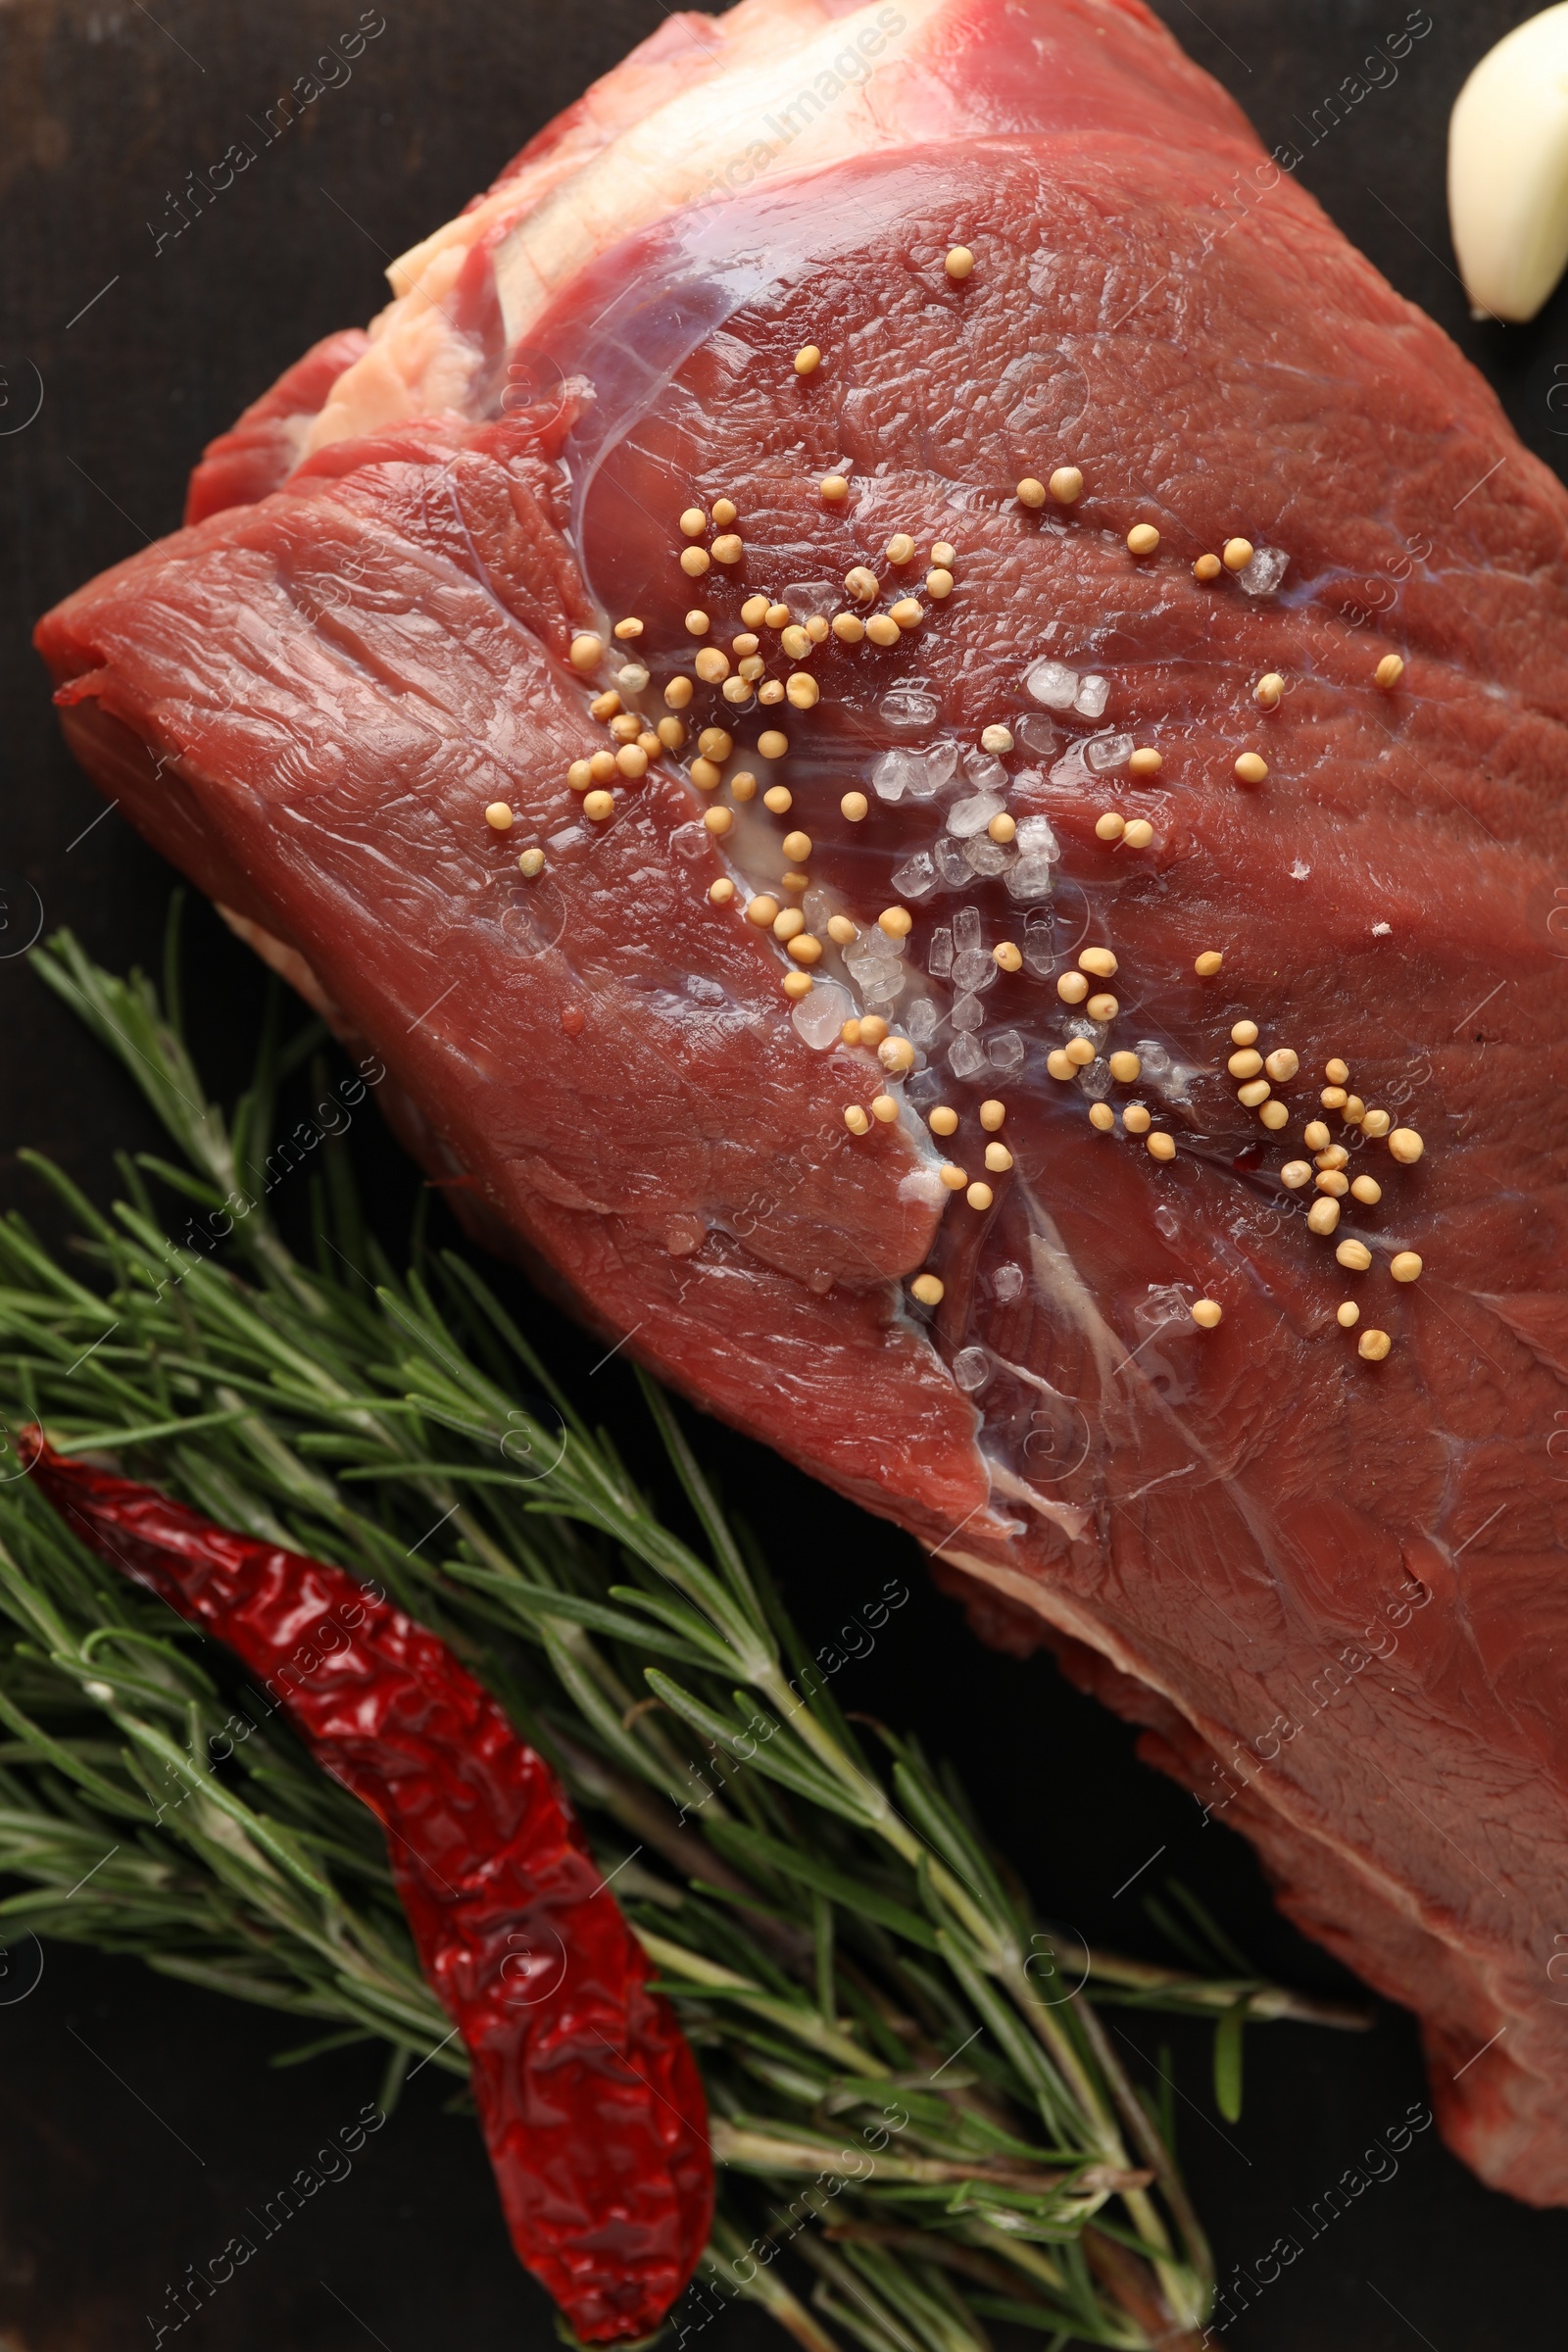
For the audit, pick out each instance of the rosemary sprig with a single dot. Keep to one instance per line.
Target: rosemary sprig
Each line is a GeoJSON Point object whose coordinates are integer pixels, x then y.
{"type": "Point", "coordinates": [872, 2000]}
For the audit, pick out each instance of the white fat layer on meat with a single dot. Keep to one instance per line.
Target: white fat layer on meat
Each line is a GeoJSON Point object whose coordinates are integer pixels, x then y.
{"type": "Point", "coordinates": [1048, 1598]}
{"type": "Point", "coordinates": [684, 120]}
{"type": "Point", "coordinates": [1073, 1520]}
{"type": "Point", "coordinates": [925, 1184]}
{"type": "Point", "coordinates": [287, 962]}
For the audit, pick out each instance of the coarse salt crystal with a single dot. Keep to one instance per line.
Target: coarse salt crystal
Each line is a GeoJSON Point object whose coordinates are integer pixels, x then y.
{"type": "Point", "coordinates": [1161, 1070]}
{"type": "Point", "coordinates": [813, 600]}
{"type": "Point", "coordinates": [1030, 878]}
{"type": "Point", "coordinates": [1266, 571]}
{"type": "Point", "coordinates": [1039, 944]}
{"type": "Point", "coordinates": [905, 707]}
{"type": "Point", "coordinates": [915, 878]}
{"type": "Point", "coordinates": [974, 969]}
{"type": "Point", "coordinates": [1036, 838]}
{"type": "Point", "coordinates": [872, 947]}
{"type": "Point", "coordinates": [819, 1017]}
{"type": "Point", "coordinates": [1052, 683]}
{"type": "Point", "coordinates": [967, 817]}
{"type": "Point", "coordinates": [891, 776]}
{"type": "Point", "coordinates": [880, 984]}
{"type": "Point", "coordinates": [1168, 1307]}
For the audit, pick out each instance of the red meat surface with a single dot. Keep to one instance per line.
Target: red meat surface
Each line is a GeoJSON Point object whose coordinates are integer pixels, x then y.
{"type": "Point", "coordinates": [1326, 1583]}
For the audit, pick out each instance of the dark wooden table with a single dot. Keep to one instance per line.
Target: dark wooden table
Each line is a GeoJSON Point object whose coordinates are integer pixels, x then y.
{"type": "Point", "coordinates": [140, 2121]}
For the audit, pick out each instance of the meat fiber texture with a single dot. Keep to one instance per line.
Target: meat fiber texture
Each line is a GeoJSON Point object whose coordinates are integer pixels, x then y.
{"type": "Point", "coordinates": [1326, 1583]}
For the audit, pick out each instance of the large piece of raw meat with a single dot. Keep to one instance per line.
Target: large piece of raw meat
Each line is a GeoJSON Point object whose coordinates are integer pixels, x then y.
{"type": "Point", "coordinates": [1328, 1584]}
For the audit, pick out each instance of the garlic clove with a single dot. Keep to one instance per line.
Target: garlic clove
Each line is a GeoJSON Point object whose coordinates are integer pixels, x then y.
{"type": "Point", "coordinates": [1509, 169]}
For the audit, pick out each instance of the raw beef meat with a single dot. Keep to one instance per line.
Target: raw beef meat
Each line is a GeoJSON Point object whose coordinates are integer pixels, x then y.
{"type": "Point", "coordinates": [1323, 1575]}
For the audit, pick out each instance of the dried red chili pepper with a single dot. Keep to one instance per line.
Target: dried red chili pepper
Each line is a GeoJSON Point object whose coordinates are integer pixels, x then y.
{"type": "Point", "coordinates": [590, 2098]}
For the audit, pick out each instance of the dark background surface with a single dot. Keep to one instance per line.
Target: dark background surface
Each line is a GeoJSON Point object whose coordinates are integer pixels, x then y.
{"type": "Point", "coordinates": [139, 2120]}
